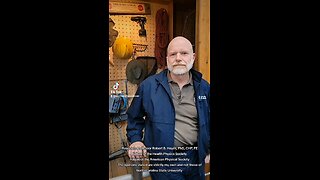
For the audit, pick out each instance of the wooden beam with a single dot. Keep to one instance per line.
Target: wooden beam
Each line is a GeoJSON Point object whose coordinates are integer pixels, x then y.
{"type": "Point", "coordinates": [202, 62]}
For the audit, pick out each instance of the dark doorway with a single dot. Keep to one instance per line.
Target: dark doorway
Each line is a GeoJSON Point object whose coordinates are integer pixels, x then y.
{"type": "Point", "coordinates": [184, 19]}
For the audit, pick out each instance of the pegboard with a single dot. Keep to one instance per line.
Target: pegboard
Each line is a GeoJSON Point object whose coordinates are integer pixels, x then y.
{"type": "Point", "coordinates": [117, 69]}
{"type": "Point", "coordinates": [130, 29]}
{"type": "Point", "coordinates": [114, 136]}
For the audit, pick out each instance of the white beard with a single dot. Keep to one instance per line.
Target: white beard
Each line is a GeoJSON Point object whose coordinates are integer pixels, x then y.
{"type": "Point", "coordinates": [179, 70]}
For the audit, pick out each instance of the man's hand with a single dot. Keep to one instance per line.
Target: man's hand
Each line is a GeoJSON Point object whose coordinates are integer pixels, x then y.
{"type": "Point", "coordinates": [207, 159]}
{"type": "Point", "coordinates": [137, 150]}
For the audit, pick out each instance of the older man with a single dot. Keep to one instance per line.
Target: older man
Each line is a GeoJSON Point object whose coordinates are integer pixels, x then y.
{"type": "Point", "coordinates": [169, 119]}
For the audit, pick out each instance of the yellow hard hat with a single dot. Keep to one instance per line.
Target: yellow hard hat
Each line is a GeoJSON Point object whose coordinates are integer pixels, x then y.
{"type": "Point", "coordinates": [123, 48]}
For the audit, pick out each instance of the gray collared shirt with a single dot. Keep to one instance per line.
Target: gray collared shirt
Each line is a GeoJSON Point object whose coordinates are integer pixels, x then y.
{"type": "Point", "coordinates": [186, 123]}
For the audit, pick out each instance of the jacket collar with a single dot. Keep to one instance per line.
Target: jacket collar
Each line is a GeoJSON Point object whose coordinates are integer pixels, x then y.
{"type": "Point", "coordinates": [162, 79]}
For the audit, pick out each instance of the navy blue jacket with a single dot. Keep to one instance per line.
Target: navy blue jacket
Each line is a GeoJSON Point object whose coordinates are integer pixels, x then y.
{"type": "Point", "coordinates": [155, 104]}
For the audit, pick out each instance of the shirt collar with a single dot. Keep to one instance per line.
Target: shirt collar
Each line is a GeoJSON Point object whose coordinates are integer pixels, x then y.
{"type": "Point", "coordinates": [189, 82]}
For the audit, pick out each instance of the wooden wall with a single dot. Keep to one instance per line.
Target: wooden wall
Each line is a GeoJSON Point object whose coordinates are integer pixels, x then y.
{"type": "Point", "coordinates": [203, 38]}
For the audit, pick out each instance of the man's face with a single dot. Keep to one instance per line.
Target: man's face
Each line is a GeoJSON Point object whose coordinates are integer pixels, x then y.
{"type": "Point", "coordinates": [180, 56]}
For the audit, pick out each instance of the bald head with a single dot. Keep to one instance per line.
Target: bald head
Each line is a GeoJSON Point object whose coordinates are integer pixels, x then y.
{"type": "Point", "coordinates": [180, 41]}
{"type": "Point", "coordinates": [180, 56]}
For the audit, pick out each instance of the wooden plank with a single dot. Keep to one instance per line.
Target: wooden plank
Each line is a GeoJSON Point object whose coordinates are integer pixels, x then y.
{"type": "Point", "coordinates": [116, 169]}
{"type": "Point", "coordinates": [202, 62]}
{"type": "Point", "coordinates": [129, 8]}
{"type": "Point", "coordinates": [206, 170]}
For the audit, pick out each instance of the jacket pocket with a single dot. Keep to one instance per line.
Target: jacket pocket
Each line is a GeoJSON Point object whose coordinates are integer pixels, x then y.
{"type": "Point", "coordinates": [160, 132]}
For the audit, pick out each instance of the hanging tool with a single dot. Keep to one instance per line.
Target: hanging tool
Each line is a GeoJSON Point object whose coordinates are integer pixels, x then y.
{"type": "Point", "coordinates": [141, 21]}
{"type": "Point", "coordinates": [118, 104]}
{"type": "Point", "coordinates": [140, 47]}
{"type": "Point", "coordinates": [117, 107]}
{"type": "Point", "coordinates": [112, 32]}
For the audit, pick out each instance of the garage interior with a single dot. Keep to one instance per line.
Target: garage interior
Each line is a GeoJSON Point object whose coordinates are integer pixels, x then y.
{"type": "Point", "coordinates": [188, 18]}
